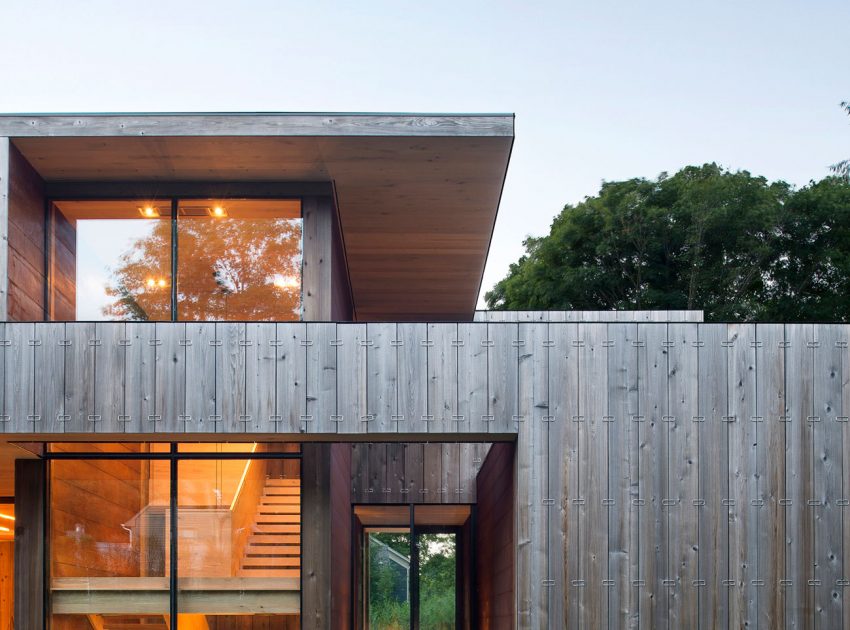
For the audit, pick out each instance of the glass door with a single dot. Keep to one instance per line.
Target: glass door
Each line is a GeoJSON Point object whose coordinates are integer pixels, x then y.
{"type": "Point", "coordinates": [410, 575]}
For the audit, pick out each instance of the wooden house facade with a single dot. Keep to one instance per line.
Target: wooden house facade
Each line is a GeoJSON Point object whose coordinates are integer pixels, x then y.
{"type": "Point", "coordinates": [235, 346]}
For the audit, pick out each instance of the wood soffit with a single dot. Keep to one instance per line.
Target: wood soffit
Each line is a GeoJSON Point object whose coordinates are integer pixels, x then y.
{"type": "Point", "coordinates": [417, 195]}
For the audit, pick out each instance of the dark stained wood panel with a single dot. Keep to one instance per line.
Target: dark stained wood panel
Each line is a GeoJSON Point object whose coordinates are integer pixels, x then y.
{"type": "Point", "coordinates": [26, 240]}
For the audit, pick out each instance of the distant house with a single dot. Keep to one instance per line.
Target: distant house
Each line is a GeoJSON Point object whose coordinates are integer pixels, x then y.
{"type": "Point", "coordinates": [233, 344]}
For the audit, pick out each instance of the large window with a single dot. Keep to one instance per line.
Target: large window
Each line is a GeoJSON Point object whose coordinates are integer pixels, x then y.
{"type": "Point", "coordinates": [176, 259]}
{"type": "Point", "coordinates": [153, 534]}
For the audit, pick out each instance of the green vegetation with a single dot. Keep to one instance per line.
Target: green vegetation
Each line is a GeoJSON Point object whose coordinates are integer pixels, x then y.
{"type": "Point", "coordinates": [842, 169]}
{"type": "Point", "coordinates": [388, 607]}
{"type": "Point", "coordinates": [735, 245]}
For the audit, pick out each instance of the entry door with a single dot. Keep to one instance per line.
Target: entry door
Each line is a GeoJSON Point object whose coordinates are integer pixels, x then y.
{"type": "Point", "coordinates": [412, 574]}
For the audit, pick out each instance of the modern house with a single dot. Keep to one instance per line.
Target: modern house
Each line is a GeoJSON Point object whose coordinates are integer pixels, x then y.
{"type": "Point", "coordinates": [236, 349]}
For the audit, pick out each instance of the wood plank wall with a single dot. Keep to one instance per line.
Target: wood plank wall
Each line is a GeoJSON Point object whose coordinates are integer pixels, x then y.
{"type": "Point", "coordinates": [7, 585]}
{"type": "Point", "coordinates": [415, 472]}
{"type": "Point", "coordinates": [26, 226]}
{"type": "Point", "coordinates": [63, 267]}
{"type": "Point", "coordinates": [30, 489]}
{"type": "Point", "coordinates": [714, 455]}
{"type": "Point", "coordinates": [495, 542]}
{"type": "Point", "coordinates": [589, 316]}
{"type": "Point", "coordinates": [89, 501]}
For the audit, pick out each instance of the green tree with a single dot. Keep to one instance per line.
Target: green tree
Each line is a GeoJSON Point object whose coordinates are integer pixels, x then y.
{"type": "Point", "coordinates": [732, 244]}
{"type": "Point", "coordinates": [842, 169]}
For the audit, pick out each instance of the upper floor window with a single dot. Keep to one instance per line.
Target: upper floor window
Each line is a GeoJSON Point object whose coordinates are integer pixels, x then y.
{"type": "Point", "coordinates": [176, 259]}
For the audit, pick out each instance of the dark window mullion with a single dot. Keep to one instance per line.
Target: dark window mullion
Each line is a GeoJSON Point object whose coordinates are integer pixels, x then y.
{"type": "Point", "coordinates": [174, 206]}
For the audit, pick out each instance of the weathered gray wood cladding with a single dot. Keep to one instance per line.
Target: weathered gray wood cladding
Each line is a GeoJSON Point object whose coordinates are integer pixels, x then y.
{"type": "Point", "coordinates": [668, 474]}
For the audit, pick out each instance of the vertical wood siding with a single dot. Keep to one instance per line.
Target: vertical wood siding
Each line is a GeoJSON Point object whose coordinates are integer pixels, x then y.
{"type": "Point", "coordinates": [669, 474]}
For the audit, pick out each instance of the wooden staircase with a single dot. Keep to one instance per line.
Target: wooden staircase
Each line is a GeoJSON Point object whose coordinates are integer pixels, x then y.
{"type": "Point", "coordinates": [274, 545]}
{"type": "Point", "coordinates": [128, 622]}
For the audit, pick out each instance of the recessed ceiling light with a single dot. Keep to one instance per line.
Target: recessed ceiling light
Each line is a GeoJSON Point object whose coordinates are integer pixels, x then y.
{"type": "Point", "coordinates": [149, 212]}
{"type": "Point", "coordinates": [218, 212]}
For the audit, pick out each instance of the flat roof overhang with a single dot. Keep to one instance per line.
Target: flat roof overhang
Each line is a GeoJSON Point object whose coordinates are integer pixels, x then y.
{"type": "Point", "coordinates": [417, 194]}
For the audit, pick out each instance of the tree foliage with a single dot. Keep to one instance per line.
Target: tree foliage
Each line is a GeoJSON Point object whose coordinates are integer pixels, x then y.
{"type": "Point", "coordinates": [227, 269]}
{"type": "Point", "coordinates": [732, 244]}
{"type": "Point", "coordinates": [842, 169]}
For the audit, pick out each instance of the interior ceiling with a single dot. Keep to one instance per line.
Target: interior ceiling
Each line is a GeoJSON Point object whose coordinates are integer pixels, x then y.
{"type": "Point", "coordinates": [417, 213]}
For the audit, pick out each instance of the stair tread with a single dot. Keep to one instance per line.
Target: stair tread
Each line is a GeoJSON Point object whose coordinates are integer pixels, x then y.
{"type": "Point", "coordinates": [274, 481]}
{"type": "Point", "coordinates": [285, 573]}
{"type": "Point", "coordinates": [268, 563]}
{"type": "Point", "coordinates": [274, 539]}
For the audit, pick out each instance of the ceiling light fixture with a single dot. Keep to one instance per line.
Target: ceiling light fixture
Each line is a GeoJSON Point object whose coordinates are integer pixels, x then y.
{"type": "Point", "coordinates": [149, 212]}
{"type": "Point", "coordinates": [7, 517]}
{"type": "Point", "coordinates": [218, 212]}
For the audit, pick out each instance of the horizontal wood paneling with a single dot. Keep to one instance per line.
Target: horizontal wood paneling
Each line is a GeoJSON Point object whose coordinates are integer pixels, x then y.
{"type": "Point", "coordinates": [26, 274]}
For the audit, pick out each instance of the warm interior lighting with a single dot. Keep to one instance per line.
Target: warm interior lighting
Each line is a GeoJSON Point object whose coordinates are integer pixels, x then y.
{"type": "Point", "coordinates": [149, 212]}
{"type": "Point", "coordinates": [4, 529]}
{"type": "Point", "coordinates": [162, 282]}
{"type": "Point", "coordinates": [218, 212]}
{"type": "Point", "coordinates": [152, 283]}
{"type": "Point", "coordinates": [7, 517]}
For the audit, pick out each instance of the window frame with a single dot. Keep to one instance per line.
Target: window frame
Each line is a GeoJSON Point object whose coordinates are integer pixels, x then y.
{"type": "Point", "coordinates": [174, 200]}
{"type": "Point", "coordinates": [174, 456]}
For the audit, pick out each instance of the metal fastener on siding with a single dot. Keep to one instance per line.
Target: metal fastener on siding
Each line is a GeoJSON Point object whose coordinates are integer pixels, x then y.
{"type": "Point", "coordinates": [698, 418]}
{"type": "Point", "coordinates": [488, 343]}
{"type": "Point", "coordinates": [336, 418]}
{"type": "Point", "coordinates": [698, 344]}
{"type": "Point", "coordinates": [756, 344]}
{"type": "Point", "coordinates": [215, 342]}
{"type": "Point", "coordinates": [306, 342]}
{"type": "Point", "coordinates": [154, 342]}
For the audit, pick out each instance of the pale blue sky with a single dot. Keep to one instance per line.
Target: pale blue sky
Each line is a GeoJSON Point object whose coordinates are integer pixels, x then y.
{"type": "Point", "coordinates": [601, 90]}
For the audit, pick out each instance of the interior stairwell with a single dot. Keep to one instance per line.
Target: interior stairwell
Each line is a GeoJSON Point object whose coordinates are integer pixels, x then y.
{"type": "Point", "coordinates": [273, 548]}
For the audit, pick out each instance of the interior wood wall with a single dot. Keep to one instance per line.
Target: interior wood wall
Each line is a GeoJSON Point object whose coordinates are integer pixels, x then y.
{"type": "Point", "coordinates": [495, 543]}
{"type": "Point", "coordinates": [89, 501]}
{"type": "Point", "coordinates": [26, 241]}
{"type": "Point", "coordinates": [7, 585]}
{"type": "Point", "coordinates": [340, 523]}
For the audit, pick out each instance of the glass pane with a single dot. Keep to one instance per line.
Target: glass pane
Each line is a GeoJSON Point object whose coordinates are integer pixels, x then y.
{"type": "Point", "coordinates": [387, 579]}
{"type": "Point", "coordinates": [239, 539]}
{"type": "Point", "coordinates": [239, 259]}
{"type": "Point", "coordinates": [437, 581]}
{"type": "Point", "coordinates": [114, 255]}
{"type": "Point", "coordinates": [109, 560]}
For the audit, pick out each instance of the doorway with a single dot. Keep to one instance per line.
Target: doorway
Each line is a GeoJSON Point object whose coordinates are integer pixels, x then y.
{"type": "Point", "coordinates": [413, 566]}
